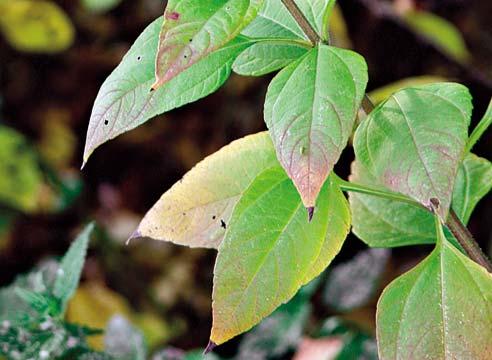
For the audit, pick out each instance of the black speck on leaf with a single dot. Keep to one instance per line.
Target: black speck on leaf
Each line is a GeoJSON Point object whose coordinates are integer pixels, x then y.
{"type": "Point", "coordinates": [139, 58]}
{"type": "Point", "coordinates": [214, 217]}
{"type": "Point", "coordinates": [223, 224]}
{"type": "Point", "coordinates": [106, 122]}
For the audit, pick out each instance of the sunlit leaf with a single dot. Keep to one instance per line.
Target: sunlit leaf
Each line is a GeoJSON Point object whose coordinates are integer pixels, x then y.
{"type": "Point", "coordinates": [269, 252]}
{"type": "Point", "coordinates": [22, 179]}
{"type": "Point", "coordinates": [440, 32]}
{"type": "Point", "coordinates": [125, 100]}
{"type": "Point", "coordinates": [196, 210]}
{"type": "Point", "coordinates": [193, 29]}
{"type": "Point", "coordinates": [310, 111]}
{"type": "Point", "coordinates": [36, 26]}
{"type": "Point", "coordinates": [442, 309]}
{"type": "Point", "coordinates": [413, 143]}
{"type": "Point", "coordinates": [265, 57]}
{"type": "Point", "coordinates": [68, 275]}
{"type": "Point", "coordinates": [387, 223]}
{"type": "Point", "coordinates": [274, 20]}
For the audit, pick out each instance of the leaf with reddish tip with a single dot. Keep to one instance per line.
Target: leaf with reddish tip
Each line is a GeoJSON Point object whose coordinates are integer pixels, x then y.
{"type": "Point", "coordinates": [414, 142]}
{"type": "Point", "coordinates": [310, 111]}
{"type": "Point", "coordinates": [442, 309]}
{"type": "Point", "coordinates": [195, 210]}
{"type": "Point", "coordinates": [269, 252]}
{"type": "Point", "coordinates": [193, 29]}
{"type": "Point", "coordinates": [125, 101]}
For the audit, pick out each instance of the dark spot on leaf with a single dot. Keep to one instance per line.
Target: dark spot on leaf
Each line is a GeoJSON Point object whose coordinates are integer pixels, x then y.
{"type": "Point", "coordinates": [223, 224]}
{"type": "Point", "coordinates": [151, 89]}
{"type": "Point", "coordinates": [172, 16]}
{"type": "Point", "coordinates": [191, 40]}
{"type": "Point", "coordinates": [106, 122]}
{"type": "Point", "coordinates": [139, 58]}
{"type": "Point", "coordinates": [214, 217]}
{"type": "Point", "coordinates": [184, 214]}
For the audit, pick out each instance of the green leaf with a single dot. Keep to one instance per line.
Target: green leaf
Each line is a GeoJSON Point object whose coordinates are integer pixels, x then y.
{"type": "Point", "coordinates": [195, 211]}
{"type": "Point", "coordinates": [68, 275]}
{"type": "Point", "coordinates": [363, 273]}
{"type": "Point", "coordinates": [442, 309]}
{"type": "Point", "coordinates": [439, 31]}
{"type": "Point", "coordinates": [473, 182]}
{"type": "Point", "coordinates": [275, 21]}
{"type": "Point", "coordinates": [21, 187]}
{"type": "Point", "coordinates": [100, 6]}
{"type": "Point", "coordinates": [480, 129]}
{"type": "Point", "coordinates": [125, 101]}
{"type": "Point", "coordinates": [414, 142]}
{"type": "Point", "coordinates": [36, 26]}
{"type": "Point", "coordinates": [269, 252]}
{"type": "Point", "coordinates": [122, 341]}
{"type": "Point", "coordinates": [193, 29]}
{"type": "Point", "coordinates": [386, 223]}
{"type": "Point", "coordinates": [381, 94]}
{"type": "Point", "coordinates": [310, 110]}
{"type": "Point", "coordinates": [266, 57]}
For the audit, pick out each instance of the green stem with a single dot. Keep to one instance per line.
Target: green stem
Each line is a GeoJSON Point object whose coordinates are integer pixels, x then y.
{"type": "Point", "coordinates": [301, 20]}
{"type": "Point", "coordinates": [368, 190]}
{"type": "Point", "coordinates": [480, 129]}
{"type": "Point", "coordinates": [367, 104]}
{"type": "Point", "coordinates": [466, 240]}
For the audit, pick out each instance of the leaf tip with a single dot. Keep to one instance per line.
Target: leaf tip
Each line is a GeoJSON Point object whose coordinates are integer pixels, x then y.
{"type": "Point", "coordinates": [310, 211]}
{"type": "Point", "coordinates": [210, 347]}
{"type": "Point", "coordinates": [135, 235]}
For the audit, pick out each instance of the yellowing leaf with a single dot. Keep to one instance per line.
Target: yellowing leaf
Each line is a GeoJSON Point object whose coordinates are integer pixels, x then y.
{"type": "Point", "coordinates": [21, 179]}
{"type": "Point", "coordinates": [195, 211]}
{"type": "Point", "coordinates": [36, 26]}
{"type": "Point", "coordinates": [193, 29]}
{"type": "Point", "coordinates": [271, 249]}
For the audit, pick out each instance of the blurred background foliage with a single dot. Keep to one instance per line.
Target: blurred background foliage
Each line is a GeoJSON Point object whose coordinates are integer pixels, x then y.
{"type": "Point", "coordinates": [54, 55]}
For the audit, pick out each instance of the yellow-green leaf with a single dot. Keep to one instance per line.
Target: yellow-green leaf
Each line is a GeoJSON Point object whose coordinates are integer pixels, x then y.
{"type": "Point", "coordinates": [36, 26]}
{"type": "Point", "coordinates": [195, 211]}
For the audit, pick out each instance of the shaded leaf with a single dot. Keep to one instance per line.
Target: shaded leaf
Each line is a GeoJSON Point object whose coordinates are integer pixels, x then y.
{"type": "Point", "coordinates": [354, 283]}
{"type": "Point", "coordinates": [193, 211]}
{"type": "Point", "coordinates": [442, 309]}
{"type": "Point", "coordinates": [123, 341]}
{"type": "Point", "coordinates": [310, 111]}
{"type": "Point", "coordinates": [100, 6]}
{"type": "Point", "coordinates": [266, 57]}
{"type": "Point", "coordinates": [413, 143]}
{"type": "Point", "coordinates": [439, 31]}
{"type": "Point", "coordinates": [125, 101]}
{"type": "Point", "coordinates": [20, 188]}
{"type": "Point", "coordinates": [193, 29]}
{"type": "Point", "coordinates": [268, 254]}
{"type": "Point", "coordinates": [68, 275]}
{"type": "Point", "coordinates": [36, 26]}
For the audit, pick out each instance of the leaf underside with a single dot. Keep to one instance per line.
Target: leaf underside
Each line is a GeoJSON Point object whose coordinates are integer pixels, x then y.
{"type": "Point", "coordinates": [268, 254]}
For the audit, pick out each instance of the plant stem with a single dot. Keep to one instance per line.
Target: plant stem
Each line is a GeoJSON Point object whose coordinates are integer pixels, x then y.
{"type": "Point", "coordinates": [368, 190]}
{"type": "Point", "coordinates": [367, 104]}
{"type": "Point", "coordinates": [301, 20]}
{"type": "Point", "coordinates": [466, 240]}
